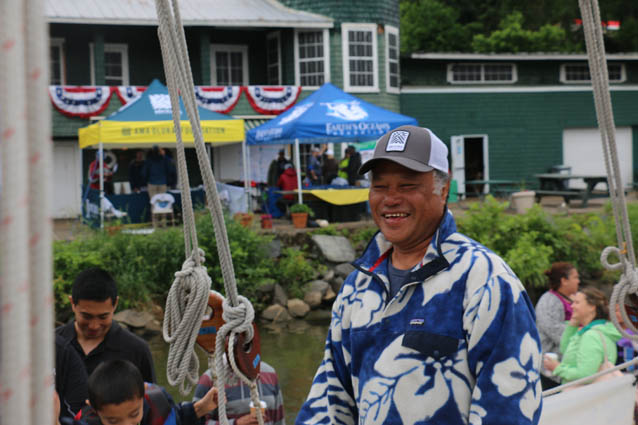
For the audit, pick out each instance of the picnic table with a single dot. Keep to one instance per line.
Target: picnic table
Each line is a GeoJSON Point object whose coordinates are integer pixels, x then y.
{"type": "Point", "coordinates": [555, 184]}
{"type": "Point", "coordinates": [500, 188]}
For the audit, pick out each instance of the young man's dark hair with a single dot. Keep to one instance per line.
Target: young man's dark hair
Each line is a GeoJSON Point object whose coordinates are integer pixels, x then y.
{"type": "Point", "coordinates": [94, 284]}
{"type": "Point", "coordinates": [115, 382]}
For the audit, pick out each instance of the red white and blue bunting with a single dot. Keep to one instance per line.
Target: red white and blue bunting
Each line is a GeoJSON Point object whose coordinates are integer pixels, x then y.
{"type": "Point", "coordinates": [129, 93]}
{"type": "Point", "coordinates": [271, 100]}
{"type": "Point", "coordinates": [217, 99]}
{"type": "Point", "coordinates": [80, 101]}
{"type": "Point", "coordinates": [89, 101]}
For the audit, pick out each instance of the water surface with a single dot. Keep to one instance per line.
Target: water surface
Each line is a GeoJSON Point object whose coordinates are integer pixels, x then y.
{"type": "Point", "coordinates": [294, 350]}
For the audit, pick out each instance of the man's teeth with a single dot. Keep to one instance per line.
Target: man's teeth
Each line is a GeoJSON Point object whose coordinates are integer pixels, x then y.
{"type": "Point", "coordinates": [396, 215]}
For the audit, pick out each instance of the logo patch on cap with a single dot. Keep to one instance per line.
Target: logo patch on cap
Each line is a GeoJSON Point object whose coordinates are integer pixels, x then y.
{"type": "Point", "coordinates": [397, 141]}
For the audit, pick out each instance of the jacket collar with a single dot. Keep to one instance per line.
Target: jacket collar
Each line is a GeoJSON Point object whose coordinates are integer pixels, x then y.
{"type": "Point", "coordinates": [433, 261]}
{"type": "Point", "coordinates": [591, 325]}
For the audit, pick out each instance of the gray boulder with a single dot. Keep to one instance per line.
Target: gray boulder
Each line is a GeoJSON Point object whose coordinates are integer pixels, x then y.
{"type": "Point", "coordinates": [343, 269]}
{"type": "Point", "coordinates": [329, 275]}
{"type": "Point", "coordinates": [274, 248]}
{"type": "Point", "coordinates": [329, 296]}
{"type": "Point", "coordinates": [134, 319]}
{"type": "Point", "coordinates": [276, 313]}
{"type": "Point", "coordinates": [297, 308]}
{"type": "Point", "coordinates": [336, 284]}
{"type": "Point", "coordinates": [336, 249]}
{"type": "Point", "coordinates": [317, 285]}
{"type": "Point", "coordinates": [313, 299]}
{"type": "Point", "coordinates": [280, 296]}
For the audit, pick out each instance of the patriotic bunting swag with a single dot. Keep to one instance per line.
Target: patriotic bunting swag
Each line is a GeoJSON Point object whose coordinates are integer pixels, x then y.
{"type": "Point", "coordinates": [89, 101]}
{"type": "Point", "coordinates": [271, 100]}
{"type": "Point", "coordinates": [129, 93]}
{"type": "Point", "coordinates": [217, 99]}
{"type": "Point", "coordinates": [78, 101]}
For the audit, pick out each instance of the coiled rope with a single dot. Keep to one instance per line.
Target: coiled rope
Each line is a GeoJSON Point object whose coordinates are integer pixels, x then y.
{"type": "Point", "coordinates": [188, 296]}
{"type": "Point", "coordinates": [628, 283]}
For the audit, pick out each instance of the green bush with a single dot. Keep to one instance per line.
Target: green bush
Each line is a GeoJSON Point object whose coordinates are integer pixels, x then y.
{"type": "Point", "coordinates": [302, 208]}
{"type": "Point", "coordinates": [144, 265]}
{"type": "Point", "coordinates": [531, 242]}
{"type": "Point", "coordinates": [294, 271]}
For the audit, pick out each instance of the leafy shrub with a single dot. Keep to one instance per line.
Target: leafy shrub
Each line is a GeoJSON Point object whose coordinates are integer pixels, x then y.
{"type": "Point", "coordinates": [531, 242]}
{"type": "Point", "coordinates": [294, 271]}
{"type": "Point", "coordinates": [302, 208]}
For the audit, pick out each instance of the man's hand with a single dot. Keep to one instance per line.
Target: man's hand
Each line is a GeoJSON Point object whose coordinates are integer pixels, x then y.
{"type": "Point", "coordinates": [207, 403]}
{"type": "Point", "coordinates": [248, 419]}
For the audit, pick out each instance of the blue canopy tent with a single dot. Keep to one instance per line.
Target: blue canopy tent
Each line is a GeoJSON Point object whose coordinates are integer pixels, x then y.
{"type": "Point", "coordinates": [327, 115]}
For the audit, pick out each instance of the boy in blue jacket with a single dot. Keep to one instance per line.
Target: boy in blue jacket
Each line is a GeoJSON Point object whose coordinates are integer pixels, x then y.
{"type": "Point", "coordinates": [119, 396]}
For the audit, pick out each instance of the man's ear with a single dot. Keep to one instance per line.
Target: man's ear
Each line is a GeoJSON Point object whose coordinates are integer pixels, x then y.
{"type": "Point", "coordinates": [116, 301]}
{"type": "Point", "coordinates": [446, 191]}
{"type": "Point", "coordinates": [71, 300]}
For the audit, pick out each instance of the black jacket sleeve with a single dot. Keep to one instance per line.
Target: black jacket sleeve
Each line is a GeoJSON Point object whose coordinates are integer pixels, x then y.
{"type": "Point", "coordinates": [70, 378]}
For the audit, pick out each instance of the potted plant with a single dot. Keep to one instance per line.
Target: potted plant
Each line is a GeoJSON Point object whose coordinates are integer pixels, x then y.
{"type": "Point", "coordinates": [299, 214]}
{"type": "Point", "coordinates": [523, 199]}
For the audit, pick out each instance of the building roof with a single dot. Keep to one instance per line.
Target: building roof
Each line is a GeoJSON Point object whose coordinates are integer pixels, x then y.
{"type": "Point", "coordinates": [517, 56]}
{"type": "Point", "coordinates": [217, 13]}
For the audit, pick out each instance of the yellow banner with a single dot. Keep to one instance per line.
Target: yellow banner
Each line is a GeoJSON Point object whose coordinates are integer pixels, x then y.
{"type": "Point", "coordinates": [130, 133]}
{"type": "Point", "coordinates": [341, 196]}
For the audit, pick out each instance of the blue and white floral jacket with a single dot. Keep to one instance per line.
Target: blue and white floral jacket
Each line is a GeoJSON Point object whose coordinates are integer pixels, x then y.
{"type": "Point", "coordinates": [457, 345]}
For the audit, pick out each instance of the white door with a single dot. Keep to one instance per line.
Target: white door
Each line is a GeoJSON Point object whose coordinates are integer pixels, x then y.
{"type": "Point", "coordinates": [67, 179]}
{"type": "Point", "coordinates": [583, 152]}
{"type": "Point", "coordinates": [458, 162]}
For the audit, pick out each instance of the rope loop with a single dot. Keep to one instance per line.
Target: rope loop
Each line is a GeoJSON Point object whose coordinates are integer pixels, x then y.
{"type": "Point", "coordinates": [605, 255]}
{"type": "Point", "coordinates": [239, 318]}
{"type": "Point", "coordinates": [185, 307]}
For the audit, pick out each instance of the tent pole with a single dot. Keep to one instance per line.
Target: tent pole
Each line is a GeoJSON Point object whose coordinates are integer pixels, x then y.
{"type": "Point", "coordinates": [250, 179]}
{"type": "Point", "coordinates": [101, 165]}
{"type": "Point", "coordinates": [246, 183]}
{"type": "Point", "coordinates": [298, 165]}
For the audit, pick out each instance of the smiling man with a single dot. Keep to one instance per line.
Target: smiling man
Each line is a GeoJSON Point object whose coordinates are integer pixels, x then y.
{"type": "Point", "coordinates": [431, 327]}
{"type": "Point", "coordinates": [94, 334]}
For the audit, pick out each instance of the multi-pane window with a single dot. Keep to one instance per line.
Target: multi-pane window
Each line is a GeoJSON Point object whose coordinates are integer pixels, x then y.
{"type": "Point", "coordinates": [229, 65]}
{"type": "Point", "coordinates": [392, 58]}
{"type": "Point", "coordinates": [273, 56]}
{"type": "Point", "coordinates": [360, 56]}
{"type": "Point", "coordinates": [579, 73]}
{"type": "Point", "coordinates": [481, 73]}
{"type": "Point", "coordinates": [115, 64]}
{"type": "Point", "coordinates": [56, 60]}
{"type": "Point", "coordinates": [311, 57]}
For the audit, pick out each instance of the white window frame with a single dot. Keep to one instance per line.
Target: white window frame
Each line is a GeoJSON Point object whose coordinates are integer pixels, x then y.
{"type": "Point", "coordinates": [111, 47]}
{"type": "Point", "coordinates": [274, 35]}
{"type": "Point", "coordinates": [392, 30]}
{"type": "Point", "coordinates": [230, 48]}
{"type": "Point", "coordinates": [564, 80]}
{"type": "Point", "coordinates": [59, 43]}
{"type": "Point", "coordinates": [450, 74]}
{"type": "Point", "coordinates": [345, 27]}
{"type": "Point", "coordinates": [326, 57]}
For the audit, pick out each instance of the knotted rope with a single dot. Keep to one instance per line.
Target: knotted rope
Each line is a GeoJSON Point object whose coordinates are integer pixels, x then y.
{"type": "Point", "coordinates": [238, 312]}
{"type": "Point", "coordinates": [628, 283]}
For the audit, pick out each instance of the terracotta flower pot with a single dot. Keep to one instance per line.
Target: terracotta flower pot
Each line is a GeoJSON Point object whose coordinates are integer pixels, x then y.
{"type": "Point", "coordinates": [266, 221]}
{"type": "Point", "coordinates": [299, 220]}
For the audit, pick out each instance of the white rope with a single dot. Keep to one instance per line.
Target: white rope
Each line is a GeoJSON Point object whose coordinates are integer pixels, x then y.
{"type": "Point", "coordinates": [628, 283]}
{"type": "Point", "coordinates": [26, 310]}
{"type": "Point", "coordinates": [185, 307]}
{"type": "Point", "coordinates": [238, 312]}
